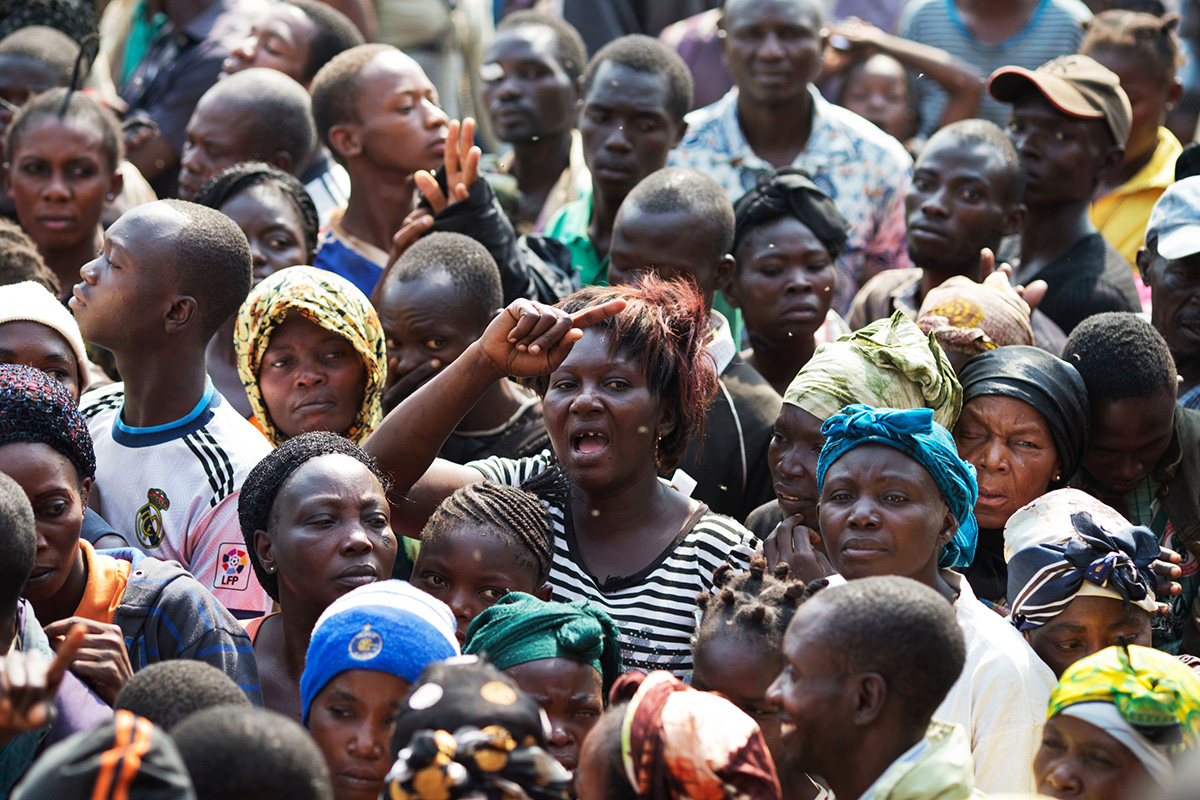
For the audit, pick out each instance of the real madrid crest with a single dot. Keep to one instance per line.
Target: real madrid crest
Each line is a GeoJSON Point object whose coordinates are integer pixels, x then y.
{"type": "Point", "coordinates": [366, 644]}
{"type": "Point", "coordinates": [149, 522]}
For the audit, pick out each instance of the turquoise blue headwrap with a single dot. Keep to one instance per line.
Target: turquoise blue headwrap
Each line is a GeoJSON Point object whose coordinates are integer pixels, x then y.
{"type": "Point", "coordinates": [914, 433]}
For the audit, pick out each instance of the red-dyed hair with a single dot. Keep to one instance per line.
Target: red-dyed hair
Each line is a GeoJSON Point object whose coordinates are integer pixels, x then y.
{"type": "Point", "coordinates": [664, 328]}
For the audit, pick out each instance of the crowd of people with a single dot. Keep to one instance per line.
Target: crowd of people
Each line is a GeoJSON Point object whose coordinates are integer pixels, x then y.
{"type": "Point", "coordinates": [599, 399]}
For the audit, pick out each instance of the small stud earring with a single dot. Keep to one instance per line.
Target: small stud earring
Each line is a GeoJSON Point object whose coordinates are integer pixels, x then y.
{"type": "Point", "coordinates": [110, 197]}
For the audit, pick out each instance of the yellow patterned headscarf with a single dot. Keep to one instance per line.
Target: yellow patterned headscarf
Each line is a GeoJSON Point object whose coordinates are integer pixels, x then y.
{"type": "Point", "coordinates": [331, 302]}
{"type": "Point", "coordinates": [1152, 691]}
{"type": "Point", "coordinates": [890, 363]}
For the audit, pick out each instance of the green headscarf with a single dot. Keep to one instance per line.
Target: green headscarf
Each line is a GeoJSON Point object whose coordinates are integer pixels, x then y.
{"type": "Point", "coordinates": [890, 363]}
{"type": "Point", "coordinates": [520, 628]}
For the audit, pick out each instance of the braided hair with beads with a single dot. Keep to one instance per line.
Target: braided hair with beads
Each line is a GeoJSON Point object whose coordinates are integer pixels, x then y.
{"type": "Point", "coordinates": [758, 601]}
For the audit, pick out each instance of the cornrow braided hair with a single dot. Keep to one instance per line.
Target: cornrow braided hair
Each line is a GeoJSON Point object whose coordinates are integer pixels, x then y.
{"type": "Point", "coordinates": [1148, 37]}
{"type": "Point", "coordinates": [758, 600]}
{"type": "Point", "coordinates": [519, 515]}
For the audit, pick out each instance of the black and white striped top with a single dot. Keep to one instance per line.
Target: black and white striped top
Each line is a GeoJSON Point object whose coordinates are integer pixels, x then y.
{"type": "Point", "coordinates": [655, 609]}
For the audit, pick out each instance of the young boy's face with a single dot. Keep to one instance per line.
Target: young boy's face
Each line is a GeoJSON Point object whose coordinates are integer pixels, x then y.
{"type": "Point", "coordinates": [1129, 436]}
{"type": "Point", "coordinates": [402, 127]}
{"type": "Point", "coordinates": [424, 321]}
{"type": "Point", "coordinates": [469, 568]}
{"type": "Point", "coordinates": [130, 279]}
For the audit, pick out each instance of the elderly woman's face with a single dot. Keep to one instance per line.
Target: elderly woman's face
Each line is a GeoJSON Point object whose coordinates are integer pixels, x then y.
{"type": "Point", "coordinates": [311, 379]}
{"type": "Point", "coordinates": [329, 532]}
{"type": "Point", "coordinates": [1085, 627]}
{"type": "Point", "coordinates": [882, 514]}
{"type": "Point", "coordinates": [1009, 444]}
{"type": "Point", "coordinates": [1078, 761]}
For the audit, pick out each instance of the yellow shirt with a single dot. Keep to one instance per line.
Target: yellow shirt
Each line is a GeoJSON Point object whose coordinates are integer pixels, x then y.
{"type": "Point", "coordinates": [1122, 214]}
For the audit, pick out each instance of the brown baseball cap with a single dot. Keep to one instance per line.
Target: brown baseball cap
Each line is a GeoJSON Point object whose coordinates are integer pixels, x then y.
{"type": "Point", "coordinates": [1076, 85]}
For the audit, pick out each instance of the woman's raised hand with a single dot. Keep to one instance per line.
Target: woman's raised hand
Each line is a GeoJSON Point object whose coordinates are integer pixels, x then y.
{"type": "Point", "coordinates": [529, 338]}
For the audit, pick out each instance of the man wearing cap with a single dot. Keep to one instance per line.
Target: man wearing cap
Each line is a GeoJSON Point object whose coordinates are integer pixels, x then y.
{"type": "Point", "coordinates": [1069, 120]}
{"type": "Point", "coordinates": [1170, 265]}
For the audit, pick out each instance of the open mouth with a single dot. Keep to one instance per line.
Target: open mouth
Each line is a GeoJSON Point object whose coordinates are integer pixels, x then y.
{"type": "Point", "coordinates": [589, 442]}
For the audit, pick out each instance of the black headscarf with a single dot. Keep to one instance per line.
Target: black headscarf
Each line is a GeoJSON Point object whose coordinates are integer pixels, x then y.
{"type": "Point", "coordinates": [1049, 384]}
{"type": "Point", "coordinates": [790, 192]}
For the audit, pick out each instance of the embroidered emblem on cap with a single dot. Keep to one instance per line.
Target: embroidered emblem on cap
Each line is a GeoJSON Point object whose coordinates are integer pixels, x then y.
{"type": "Point", "coordinates": [366, 644]}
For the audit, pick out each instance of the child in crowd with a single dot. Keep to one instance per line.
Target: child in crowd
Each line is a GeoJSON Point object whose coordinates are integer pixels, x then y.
{"type": "Point", "coordinates": [433, 303]}
{"type": "Point", "coordinates": [483, 541]}
{"type": "Point", "coordinates": [280, 221]}
{"type": "Point", "coordinates": [61, 161]}
{"type": "Point", "coordinates": [136, 610]}
{"type": "Point", "coordinates": [171, 452]}
{"type": "Point", "coordinates": [738, 651]}
{"type": "Point", "coordinates": [311, 356]}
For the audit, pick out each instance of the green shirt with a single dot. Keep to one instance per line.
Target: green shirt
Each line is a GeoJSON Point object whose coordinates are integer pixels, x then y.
{"type": "Point", "coordinates": [570, 226]}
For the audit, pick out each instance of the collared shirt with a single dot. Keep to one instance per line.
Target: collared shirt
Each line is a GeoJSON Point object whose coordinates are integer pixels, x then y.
{"type": "Point", "coordinates": [574, 183]}
{"type": "Point", "coordinates": [864, 170]}
{"type": "Point", "coordinates": [1122, 214]}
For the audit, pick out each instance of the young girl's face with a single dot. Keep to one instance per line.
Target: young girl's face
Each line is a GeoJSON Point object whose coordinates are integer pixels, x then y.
{"type": "Point", "coordinates": [311, 379]}
{"type": "Point", "coordinates": [58, 175]}
{"type": "Point", "coordinates": [878, 91]}
{"type": "Point", "coordinates": [469, 568]}
{"type": "Point", "coordinates": [742, 667]}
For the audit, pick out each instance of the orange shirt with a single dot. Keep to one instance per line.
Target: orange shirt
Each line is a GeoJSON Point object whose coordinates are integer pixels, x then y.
{"type": "Point", "coordinates": [106, 580]}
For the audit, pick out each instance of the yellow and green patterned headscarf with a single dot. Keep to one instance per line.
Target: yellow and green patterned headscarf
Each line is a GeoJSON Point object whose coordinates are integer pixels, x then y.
{"type": "Point", "coordinates": [1152, 691]}
{"type": "Point", "coordinates": [890, 363]}
{"type": "Point", "coordinates": [336, 305]}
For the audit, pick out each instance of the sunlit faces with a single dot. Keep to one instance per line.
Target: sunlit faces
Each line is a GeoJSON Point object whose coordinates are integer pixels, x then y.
{"type": "Point", "coordinates": [784, 280]}
{"type": "Point", "coordinates": [1150, 97]}
{"type": "Point", "coordinates": [773, 48]}
{"type": "Point", "coordinates": [58, 497]}
{"type": "Point", "coordinates": [281, 41]}
{"type": "Point", "coordinates": [311, 379]}
{"type": "Point", "coordinates": [792, 458]}
{"type": "Point", "coordinates": [58, 176]}
{"type": "Point", "coordinates": [572, 695]}
{"type": "Point", "coordinates": [672, 245]}
{"type": "Point", "coordinates": [329, 532]}
{"type": "Point", "coordinates": [1087, 626]}
{"type": "Point", "coordinates": [528, 93]}
{"type": "Point", "coordinates": [882, 514]}
{"type": "Point", "coordinates": [627, 127]}
{"type": "Point", "coordinates": [1010, 445]}
{"type": "Point", "coordinates": [469, 568]}
{"type": "Point", "coordinates": [352, 720]}
{"type": "Point", "coordinates": [36, 345]}
{"type": "Point", "coordinates": [1129, 436]}
{"type": "Point", "coordinates": [219, 135]}
{"type": "Point", "coordinates": [1065, 158]}
{"type": "Point", "coordinates": [1079, 761]}
{"type": "Point", "coordinates": [273, 225]}
{"type": "Point", "coordinates": [1175, 294]}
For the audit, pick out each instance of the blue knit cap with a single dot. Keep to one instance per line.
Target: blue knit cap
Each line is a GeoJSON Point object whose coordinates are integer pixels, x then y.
{"type": "Point", "coordinates": [387, 626]}
{"type": "Point", "coordinates": [914, 433]}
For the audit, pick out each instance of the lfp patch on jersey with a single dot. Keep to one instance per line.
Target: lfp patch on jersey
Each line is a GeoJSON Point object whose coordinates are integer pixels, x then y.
{"type": "Point", "coordinates": [233, 567]}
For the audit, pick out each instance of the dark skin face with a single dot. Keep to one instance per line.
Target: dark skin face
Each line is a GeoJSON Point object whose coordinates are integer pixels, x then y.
{"type": "Point", "coordinates": [528, 93]}
{"type": "Point", "coordinates": [671, 246]}
{"type": "Point", "coordinates": [1078, 761]}
{"type": "Point", "coordinates": [1175, 301]}
{"type": "Point", "coordinates": [882, 514]}
{"type": "Point", "coordinates": [602, 416]}
{"type": "Point", "coordinates": [784, 282]}
{"type": "Point", "coordinates": [329, 533]}
{"type": "Point", "coordinates": [58, 175]}
{"type": "Point", "coordinates": [20, 79]}
{"type": "Point", "coordinates": [572, 695]}
{"type": "Point", "coordinates": [959, 202]}
{"type": "Point", "coordinates": [281, 41]}
{"type": "Point", "coordinates": [469, 568]}
{"type": "Point", "coordinates": [591, 779]}
{"type": "Point", "coordinates": [1065, 157]}
{"type": "Point", "coordinates": [274, 227]}
{"type": "Point", "coordinates": [58, 499]}
{"type": "Point", "coordinates": [877, 90]}
{"type": "Point", "coordinates": [773, 48]}
{"type": "Point", "coordinates": [424, 320]}
{"type": "Point", "coordinates": [1149, 96]}
{"type": "Point", "coordinates": [1009, 444]}
{"type": "Point", "coordinates": [626, 127]}
{"type": "Point", "coordinates": [311, 378]}
{"type": "Point", "coordinates": [352, 720]}
{"type": "Point", "coordinates": [1085, 627]}
{"type": "Point", "coordinates": [36, 345]}
{"type": "Point", "coordinates": [739, 665]}
{"type": "Point", "coordinates": [1129, 436]}
{"type": "Point", "coordinates": [219, 135]}
{"type": "Point", "coordinates": [792, 457]}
